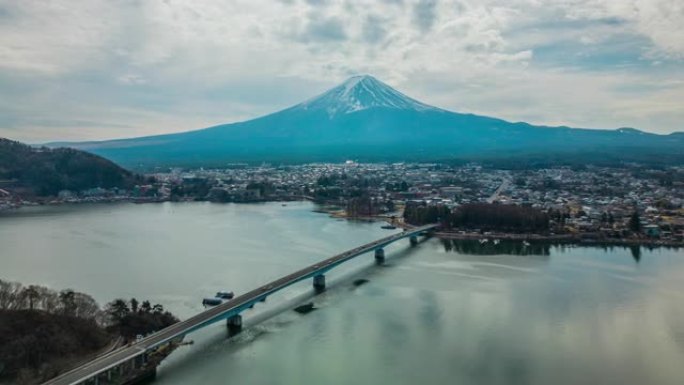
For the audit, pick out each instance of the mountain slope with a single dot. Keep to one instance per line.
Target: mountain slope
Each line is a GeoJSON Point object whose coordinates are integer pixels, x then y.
{"type": "Point", "coordinates": [44, 172]}
{"type": "Point", "coordinates": [366, 119]}
{"type": "Point", "coordinates": [360, 93]}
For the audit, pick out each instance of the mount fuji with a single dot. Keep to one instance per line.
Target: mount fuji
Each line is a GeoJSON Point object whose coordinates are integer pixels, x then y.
{"type": "Point", "coordinates": [365, 119]}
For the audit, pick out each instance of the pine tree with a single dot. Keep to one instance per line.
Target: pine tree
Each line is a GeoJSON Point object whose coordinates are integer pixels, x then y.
{"type": "Point", "coordinates": [635, 222]}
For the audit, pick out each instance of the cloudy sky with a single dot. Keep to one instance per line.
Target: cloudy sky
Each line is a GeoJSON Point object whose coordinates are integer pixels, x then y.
{"type": "Point", "coordinates": [100, 69]}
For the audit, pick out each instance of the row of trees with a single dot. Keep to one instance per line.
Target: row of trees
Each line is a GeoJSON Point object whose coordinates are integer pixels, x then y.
{"type": "Point", "coordinates": [15, 296]}
{"type": "Point", "coordinates": [131, 318]}
{"type": "Point", "coordinates": [483, 216]}
{"type": "Point", "coordinates": [366, 206]}
{"type": "Point", "coordinates": [421, 214]}
{"type": "Point", "coordinates": [42, 331]}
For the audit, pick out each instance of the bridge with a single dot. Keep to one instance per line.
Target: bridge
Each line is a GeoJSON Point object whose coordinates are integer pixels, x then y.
{"type": "Point", "coordinates": [104, 368]}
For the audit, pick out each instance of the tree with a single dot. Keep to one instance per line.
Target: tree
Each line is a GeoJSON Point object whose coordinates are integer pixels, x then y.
{"type": "Point", "coordinates": [134, 305]}
{"type": "Point", "coordinates": [31, 294]}
{"type": "Point", "coordinates": [390, 205]}
{"type": "Point", "coordinates": [85, 306]}
{"type": "Point", "coordinates": [361, 206]}
{"type": "Point", "coordinates": [10, 295]}
{"type": "Point", "coordinates": [147, 319]}
{"type": "Point", "coordinates": [479, 216]}
{"type": "Point", "coordinates": [66, 299]}
{"type": "Point", "coordinates": [520, 181]}
{"type": "Point", "coordinates": [117, 310]}
{"type": "Point", "coordinates": [635, 222]}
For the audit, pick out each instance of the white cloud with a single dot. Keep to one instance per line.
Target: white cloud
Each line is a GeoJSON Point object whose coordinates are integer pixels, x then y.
{"type": "Point", "coordinates": [151, 63]}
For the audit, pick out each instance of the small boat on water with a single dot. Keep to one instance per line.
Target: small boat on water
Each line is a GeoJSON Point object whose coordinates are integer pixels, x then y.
{"type": "Point", "coordinates": [212, 301]}
{"type": "Point", "coordinates": [225, 295]}
{"type": "Point", "coordinates": [525, 243]}
{"type": "Point", "coordinates": [388, 227]}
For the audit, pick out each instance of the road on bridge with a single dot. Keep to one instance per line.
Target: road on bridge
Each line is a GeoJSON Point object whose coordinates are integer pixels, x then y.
{"type": "Point", "coordinates": [225, 310]}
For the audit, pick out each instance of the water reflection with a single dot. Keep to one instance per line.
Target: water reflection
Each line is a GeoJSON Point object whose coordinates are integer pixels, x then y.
{"type": "Point", "coordinates": [507, 247]}
{"type": "Point", "coordinates": [636, 253]}
{"type": "Point", "coordinates": [479, 313]}
{"type": "Point", "coordinates": [489, 247]}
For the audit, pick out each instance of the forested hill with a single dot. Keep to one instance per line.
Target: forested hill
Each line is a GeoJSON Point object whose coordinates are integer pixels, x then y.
{"type": "Point", "coordinates": [44, 172]}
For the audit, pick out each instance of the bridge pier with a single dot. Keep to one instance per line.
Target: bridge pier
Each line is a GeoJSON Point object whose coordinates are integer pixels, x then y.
{"type": "Point", "coordinates": [128, 364]}
{"type": "Point", "coordinates": [414, 240]}
{"type": "Point", "coordinates": [139, 361]}
{"type": "Point", "coordinates": [319, 283]}
{"type": "Point", "coordinates": [379, 256]}
{"type": "Point", "coordinates": [234, 325]}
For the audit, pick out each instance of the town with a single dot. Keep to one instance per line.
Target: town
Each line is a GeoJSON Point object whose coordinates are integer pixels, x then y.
{"type": "Point", "coordinates": [628, 202]}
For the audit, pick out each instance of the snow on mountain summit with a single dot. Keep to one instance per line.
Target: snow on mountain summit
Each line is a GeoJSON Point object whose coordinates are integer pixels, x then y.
{"type": "Point", "coordinates": [359, 93]}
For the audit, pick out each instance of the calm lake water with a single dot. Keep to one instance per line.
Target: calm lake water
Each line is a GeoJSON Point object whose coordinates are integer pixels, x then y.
{"type": "Point", "coordinates": [439, 313]}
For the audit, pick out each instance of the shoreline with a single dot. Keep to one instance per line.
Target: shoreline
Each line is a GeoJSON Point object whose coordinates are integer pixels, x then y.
{"type": "Point", "coordinates": [570, 239]}
{"type": "Point", "coordinates": [580, 239]}
{"type": "Point", "coordinates": [587, 239]}
{"type": "Point", "coordinates": [56, 203]}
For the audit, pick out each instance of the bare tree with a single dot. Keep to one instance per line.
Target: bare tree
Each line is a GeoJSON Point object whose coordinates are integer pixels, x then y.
{"type": "Point", "coordinates": [85, 306]}
{"type": "Point", "coordinates": [10, 295]}
{"type": "Point", "coordinates": [31, 294]}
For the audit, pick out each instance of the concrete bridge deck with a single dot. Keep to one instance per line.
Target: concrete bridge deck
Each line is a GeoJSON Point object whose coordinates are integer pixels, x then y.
{"type": "Point", "coordinates": [228, 310]}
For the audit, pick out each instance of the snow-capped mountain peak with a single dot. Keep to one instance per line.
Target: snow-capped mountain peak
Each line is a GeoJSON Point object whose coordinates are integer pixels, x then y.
{"type": "Point", "coordinates": [359, 93]}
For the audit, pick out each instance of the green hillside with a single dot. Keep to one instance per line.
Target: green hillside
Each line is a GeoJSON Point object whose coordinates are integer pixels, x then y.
{"type": "Point", "coordinates": [44, 172]}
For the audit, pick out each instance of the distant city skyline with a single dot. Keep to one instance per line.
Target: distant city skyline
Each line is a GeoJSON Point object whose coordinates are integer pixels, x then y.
{"type": "Point", "coordinates": [96, 69]}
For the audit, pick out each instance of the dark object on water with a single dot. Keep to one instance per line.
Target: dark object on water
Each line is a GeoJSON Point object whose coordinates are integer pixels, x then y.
{"type": "Point", "coordinates": [225, 295]}
{"type": "Point", "coordinates": [388, 227]}
{"type": "Point", "coordinates": [306, 308]}
{"type": "Point", "coordinates": [212, 301]}
{"type": "Point", "coordinates": [360, 282]}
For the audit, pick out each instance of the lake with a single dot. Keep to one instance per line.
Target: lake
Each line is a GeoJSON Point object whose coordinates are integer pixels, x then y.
{"type": "Point", "coordinates": [440, 313]}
